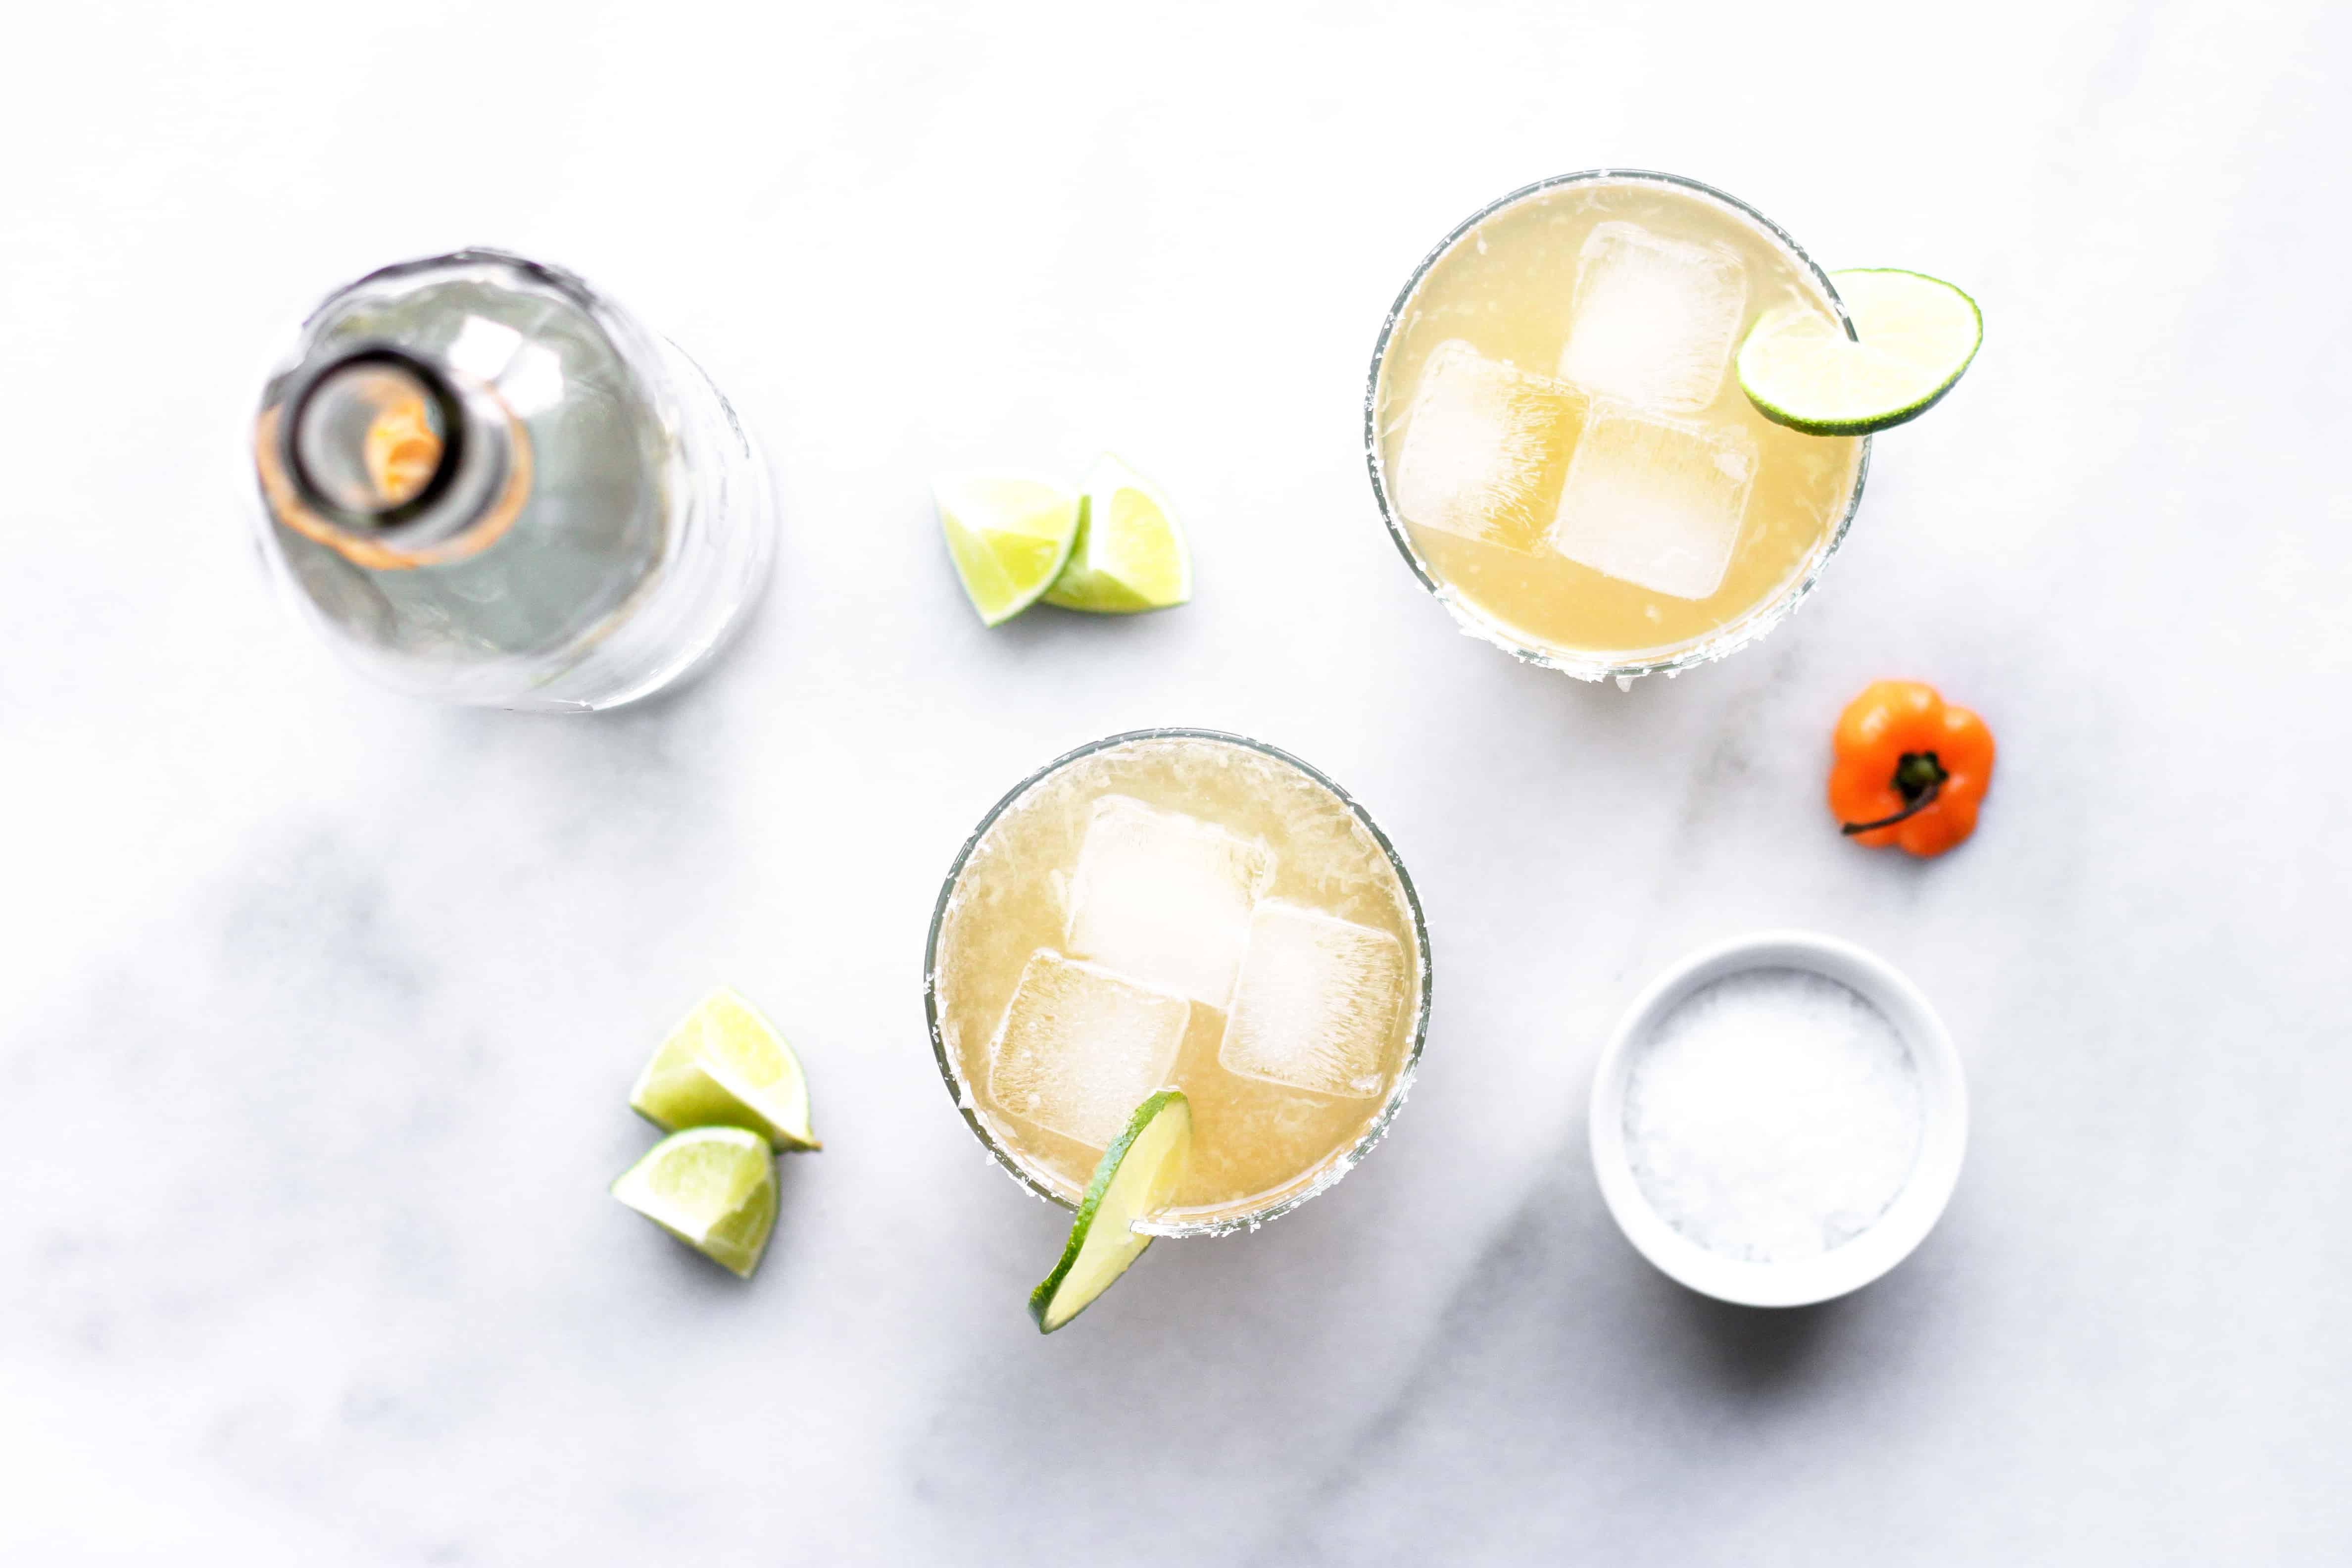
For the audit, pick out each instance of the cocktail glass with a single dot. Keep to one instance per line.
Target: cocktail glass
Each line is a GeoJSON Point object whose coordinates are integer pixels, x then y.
{"type": "Point", "coordinates": [1385, 416]}
{"type": "Point", "coordinates": [956, 1055]}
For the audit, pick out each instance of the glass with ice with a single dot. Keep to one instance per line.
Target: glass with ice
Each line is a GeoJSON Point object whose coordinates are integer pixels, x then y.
{"type": "Point", "coordinates": [1560, 447]}
{"type": "Point", "coordinates": [1184, 909]}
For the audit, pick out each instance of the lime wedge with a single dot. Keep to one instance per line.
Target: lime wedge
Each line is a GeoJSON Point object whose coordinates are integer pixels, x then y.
{"type": "Point", "coordinates": [714, 1188]}
{"type": "Point", "coordinates": [725, 1066]}
{"type": "Point", "coordinates": [1130, 555]}
{"type": "Point", "coordinates": [1916, 335]}
{"type": "Point", "coordinates": [1010, 535]}
{"type": "Point", "coordinates": [1137, 1177]}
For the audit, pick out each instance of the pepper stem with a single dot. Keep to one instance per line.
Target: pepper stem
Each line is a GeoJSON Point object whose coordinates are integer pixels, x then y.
{"type": "Point", "coordinates": [1920, 776]}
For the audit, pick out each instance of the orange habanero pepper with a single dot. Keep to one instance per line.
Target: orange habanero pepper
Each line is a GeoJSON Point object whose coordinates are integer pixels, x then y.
{"type": "Point", "coordinates": [1909, 770]}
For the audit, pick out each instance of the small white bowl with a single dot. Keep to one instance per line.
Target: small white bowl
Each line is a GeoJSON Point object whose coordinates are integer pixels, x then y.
{"type": "Point", "coordinates": [1801, 1281]}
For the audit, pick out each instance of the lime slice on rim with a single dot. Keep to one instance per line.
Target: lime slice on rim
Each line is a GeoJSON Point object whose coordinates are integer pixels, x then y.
{"type": "Point", "coordinates": [1137, 1177]}
{"type": "Point", "coordinates": [1130, 555]}
{"type": "Point", "coordinates": [1916, 335]}
{"type": "Point", "coordinates": [726, 1066]}
{"type": "Point", "coordinates": [1010, 535]}
{"type": "Point", "coordinates": [714, 1188]}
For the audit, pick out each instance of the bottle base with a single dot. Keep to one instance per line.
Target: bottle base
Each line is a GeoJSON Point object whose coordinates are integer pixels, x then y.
{"type": "Point", "coordinates": [717, 575]}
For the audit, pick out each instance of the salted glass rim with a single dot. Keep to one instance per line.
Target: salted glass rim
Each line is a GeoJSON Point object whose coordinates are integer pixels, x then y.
{"type": "Point", "coordinates": [1338, 1166]}
{"type": "Point", "coordinates": [1729, 639]}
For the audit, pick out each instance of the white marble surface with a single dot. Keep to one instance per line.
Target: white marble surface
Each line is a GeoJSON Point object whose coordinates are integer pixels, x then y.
{"type": "Point", "coordinates": [319, 1006]}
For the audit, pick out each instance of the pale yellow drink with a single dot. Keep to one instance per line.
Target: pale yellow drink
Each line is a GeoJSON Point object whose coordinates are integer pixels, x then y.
{"type": "Point", "coordinates": [1186, 910]}
{"type": "Point", "coordinates": [1614, 502]}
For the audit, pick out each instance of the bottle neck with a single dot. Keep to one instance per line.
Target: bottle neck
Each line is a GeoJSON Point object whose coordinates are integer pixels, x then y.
{"type": "Point", "coordinates": [391, 459]}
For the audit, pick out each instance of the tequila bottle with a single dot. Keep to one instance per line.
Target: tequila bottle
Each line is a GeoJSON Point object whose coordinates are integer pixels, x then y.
{"type": "Point", "coordinates": [485, 483]}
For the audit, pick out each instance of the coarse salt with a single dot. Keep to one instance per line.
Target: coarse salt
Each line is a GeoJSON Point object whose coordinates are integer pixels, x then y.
{"type": "Point", "coordinates": [1772, 1115]}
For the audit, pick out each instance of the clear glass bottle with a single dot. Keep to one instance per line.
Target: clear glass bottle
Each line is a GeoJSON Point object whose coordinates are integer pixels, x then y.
{"type": "Point", "coordinates": [485, 483]}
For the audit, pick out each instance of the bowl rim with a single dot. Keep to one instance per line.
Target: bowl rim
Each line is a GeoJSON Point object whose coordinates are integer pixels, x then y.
{"type": "Point", "coordinates": [1916, 1207]}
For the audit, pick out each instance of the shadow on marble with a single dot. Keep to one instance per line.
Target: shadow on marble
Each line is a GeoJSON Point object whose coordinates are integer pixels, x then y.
{"type": "Point", "coordinates": [1753, 1350]}
{"type": "Point", "coordinates": [1603, 1373]}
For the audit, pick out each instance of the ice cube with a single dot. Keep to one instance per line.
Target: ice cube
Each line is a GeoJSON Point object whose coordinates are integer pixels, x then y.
{"type": "Point", "coordinates": [1485, 446]}
{"type": "Point", "coordinates": [1654, 318]}
{"type": "Point", "coordinates": [1165, 898]}
{"type": "Point", "coordinates": [1080, 1048]}
{"type": "Point", "coordinates": [1316, 1004]}
{"type": "Point", "coordinates": [1655, 502]}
